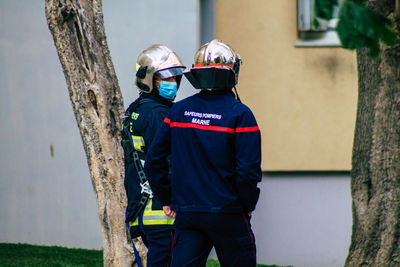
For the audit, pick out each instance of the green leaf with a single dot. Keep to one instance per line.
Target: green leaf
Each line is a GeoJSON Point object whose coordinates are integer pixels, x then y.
{"type": "Point", "coordinates": [324, 8]}
{"type": "Point", "coordinates": [361, 27]}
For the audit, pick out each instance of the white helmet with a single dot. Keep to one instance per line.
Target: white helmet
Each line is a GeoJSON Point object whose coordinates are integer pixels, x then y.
{"type": "Point", "coordinates": [157, 60]}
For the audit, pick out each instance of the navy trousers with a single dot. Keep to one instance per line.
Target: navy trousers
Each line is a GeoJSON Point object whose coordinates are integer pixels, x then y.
{"type": "Point", "coordinates": [159, 248]}
{"type": "Point", "coordinates": [197, 233]}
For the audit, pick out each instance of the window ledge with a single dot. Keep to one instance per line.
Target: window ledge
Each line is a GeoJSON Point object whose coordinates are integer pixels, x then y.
{"type": "Point", "coordinates": [318, 39]}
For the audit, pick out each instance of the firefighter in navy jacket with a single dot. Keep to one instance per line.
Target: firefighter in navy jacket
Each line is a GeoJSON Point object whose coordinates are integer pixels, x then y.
{"type": "Point", "coordinates": [213, 144]}
{"type": "Point", "coordinates": [159, 71]}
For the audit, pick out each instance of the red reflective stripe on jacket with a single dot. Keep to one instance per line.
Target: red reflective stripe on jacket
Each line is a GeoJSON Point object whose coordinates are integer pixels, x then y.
{"type": "Point", "coordinates": [202, 127]}
{"type": "Point", "coordinates": [247, 129]}
{"type": "Point", "coordinates": [211, 128]}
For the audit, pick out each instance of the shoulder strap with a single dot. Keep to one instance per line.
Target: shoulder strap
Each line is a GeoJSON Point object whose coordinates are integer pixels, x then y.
{"type": "Point", "coordinates": [135, 104]}
{"type": "Point", "coordinates": [127, 142]}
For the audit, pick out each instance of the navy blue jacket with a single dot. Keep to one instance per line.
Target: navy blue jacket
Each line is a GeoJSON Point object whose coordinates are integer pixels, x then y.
{"type": "Point", "coordinates": [214, 145]}
{"type": "Point", "coordinates": [145, 116]}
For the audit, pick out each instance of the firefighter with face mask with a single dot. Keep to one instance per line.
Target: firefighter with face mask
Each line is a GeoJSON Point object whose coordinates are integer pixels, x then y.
{"type": "Point", "coordinates": [213, 144]}
{"type": "Point", "coordinates": [158, 75]}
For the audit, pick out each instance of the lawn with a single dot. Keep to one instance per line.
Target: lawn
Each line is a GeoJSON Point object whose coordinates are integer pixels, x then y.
{"type": "Point", "coordinates": [13, 255]}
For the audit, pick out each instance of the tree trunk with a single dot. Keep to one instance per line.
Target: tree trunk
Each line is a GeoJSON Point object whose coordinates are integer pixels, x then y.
{"type": "Point", "coordinates": [78, 32]}
{"type": "Point", "coordinates": [375, 176]}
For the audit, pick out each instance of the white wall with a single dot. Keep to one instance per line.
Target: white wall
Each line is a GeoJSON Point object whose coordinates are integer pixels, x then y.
{"type": "Point", "coordinates": [44, 199]}
{"type": "Point", "coordinates": [48, 199]}
{"type": "Point", "coordinates": [303, 220]}
{"type": "Point", "coordinates": [132, 26]}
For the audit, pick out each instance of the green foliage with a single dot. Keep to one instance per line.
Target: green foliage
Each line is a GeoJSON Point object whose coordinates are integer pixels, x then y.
{"type": "Point", "coordinates": [324, 8]}
{"type": "Point", "coordinates": [361, 27]}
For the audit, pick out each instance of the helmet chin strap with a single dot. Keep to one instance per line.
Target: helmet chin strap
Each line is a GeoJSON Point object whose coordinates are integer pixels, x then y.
{"type": "Point", "coordinates": [236, 93]}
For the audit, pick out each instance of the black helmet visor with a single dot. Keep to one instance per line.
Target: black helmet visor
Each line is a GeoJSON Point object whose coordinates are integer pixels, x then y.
{"type": "Point", "coordinates": [211, 78]}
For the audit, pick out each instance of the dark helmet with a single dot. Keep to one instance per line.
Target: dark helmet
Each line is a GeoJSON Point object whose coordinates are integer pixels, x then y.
{"type": "Point", "coordinates": [216, 67]}
{"type": "Point", "coordinates": [156, 60]}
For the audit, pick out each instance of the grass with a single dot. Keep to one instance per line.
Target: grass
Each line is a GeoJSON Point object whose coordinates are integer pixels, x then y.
{"type": "Point", "coordinates": [215, 263]}
{"type": "Point", "coordinates": [24, 255]}
{"type": "Point", "coordinates": [13, 255]}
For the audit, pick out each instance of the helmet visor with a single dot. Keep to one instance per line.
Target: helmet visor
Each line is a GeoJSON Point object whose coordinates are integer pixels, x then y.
{"type": "Point", "coordinates": [168, 73]}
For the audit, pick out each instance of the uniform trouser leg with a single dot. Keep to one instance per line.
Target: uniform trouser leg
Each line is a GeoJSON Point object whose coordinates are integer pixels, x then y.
{"type": "Point", "coordinates": [230, 234]}
{"type": "Point", "coordinates": [160, 246]}
{"type": "Point", "coordinates": [234, 242]}
{"type": "Point", "coordinates": [191, 246]}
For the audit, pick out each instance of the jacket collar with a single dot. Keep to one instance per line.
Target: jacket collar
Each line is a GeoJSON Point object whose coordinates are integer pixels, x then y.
{"type": "Point", "coordinates": [157, 98]}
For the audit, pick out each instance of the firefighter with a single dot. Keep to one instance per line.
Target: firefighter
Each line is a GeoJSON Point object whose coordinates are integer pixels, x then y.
{"type": "Point", "coordinates": [214, 145]}
{"type": "Point", "coordinates": [158, 75]}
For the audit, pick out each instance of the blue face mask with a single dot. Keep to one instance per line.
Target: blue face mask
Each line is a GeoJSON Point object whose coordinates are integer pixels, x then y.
{"type": "Point", "coordinates": [168, 90]}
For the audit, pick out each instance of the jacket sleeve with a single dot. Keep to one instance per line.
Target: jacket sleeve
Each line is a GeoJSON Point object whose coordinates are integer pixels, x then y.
{"type": "Point", "coordinates": [157, 166]}
{"type": "Point", "coordinates": [248, 159]}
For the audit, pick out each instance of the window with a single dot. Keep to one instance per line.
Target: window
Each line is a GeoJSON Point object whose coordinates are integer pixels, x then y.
{"type": "Point", "coordinates": [311, 35]}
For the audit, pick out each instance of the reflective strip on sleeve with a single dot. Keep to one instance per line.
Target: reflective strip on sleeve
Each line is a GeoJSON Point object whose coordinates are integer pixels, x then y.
{"type": "Point", "coordinates": [138, 142]}
{"type": "Point", "coordinates": [247, 129]}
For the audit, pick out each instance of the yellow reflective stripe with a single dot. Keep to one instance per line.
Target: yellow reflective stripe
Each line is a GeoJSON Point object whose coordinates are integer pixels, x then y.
{"type": "Point", "coordinates": [138, 142]}
{"type": "Point", "coordinates": [158, 221]}
{"type": "Point", "coordinates": [153, 217]}
{"type": "Point", "coordinates": [134, 223]}
{"type": "Point", "coordinates": [154, 213]}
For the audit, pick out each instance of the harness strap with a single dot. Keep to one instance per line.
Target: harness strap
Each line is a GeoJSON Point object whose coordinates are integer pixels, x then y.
{"type": "Point", "coordinates": [137, 257]}
{"type": "Point", "coordinates": [130, 150]}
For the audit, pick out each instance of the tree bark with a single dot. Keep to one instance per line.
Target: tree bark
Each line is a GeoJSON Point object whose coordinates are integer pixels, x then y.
{"type": "Point", "coordinates": [375, 176]}
{"type": "Point", "coordinates": [78, 32]}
